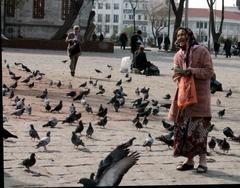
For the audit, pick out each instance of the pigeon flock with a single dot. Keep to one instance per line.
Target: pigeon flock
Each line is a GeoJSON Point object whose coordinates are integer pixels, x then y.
{"type": "Point", "coordinates": [86, 111]}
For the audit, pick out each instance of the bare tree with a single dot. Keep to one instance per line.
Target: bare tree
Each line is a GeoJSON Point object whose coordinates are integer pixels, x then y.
{"type": "Point", "coordinates": [178, 12]}
{"type": "Point", "coordinates": [215, 35]}
{"type": "Point", "coordinates": [157, 13]}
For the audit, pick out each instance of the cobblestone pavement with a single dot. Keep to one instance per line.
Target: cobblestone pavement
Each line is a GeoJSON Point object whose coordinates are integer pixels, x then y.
{"type": "Point", "coordinates": [62, 165]}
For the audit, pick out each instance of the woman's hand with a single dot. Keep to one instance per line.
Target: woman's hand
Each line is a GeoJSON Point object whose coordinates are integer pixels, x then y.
{"type": "Point", "coordinates": [183, 72]}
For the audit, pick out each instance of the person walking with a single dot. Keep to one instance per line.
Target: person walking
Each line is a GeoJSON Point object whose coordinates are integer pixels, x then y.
{"type": "Point", "coordinates": [227, 47]}
{"type": "Point", "coordinates": [192, 122]}
{"type": "Point", "coordinates": [123, 40]}
{"type": "Point", "coordinates": [166, 43]}
{"type": "Point", "coordinates": [74, 40]}
{"type": "Point", "coordinates": [159, 40]}
{"type": "Point", "coordinates": [216, 48]}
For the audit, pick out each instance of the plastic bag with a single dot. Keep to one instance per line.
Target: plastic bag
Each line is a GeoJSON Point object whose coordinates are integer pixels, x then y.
{"type": "Point", "coordinates": [125, 65]}
{"type": "Point", "coordinates": [186, 92]}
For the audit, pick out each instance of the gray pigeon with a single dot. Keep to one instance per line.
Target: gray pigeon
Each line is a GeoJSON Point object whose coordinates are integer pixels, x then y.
{"type": "Point", "coordinates": [148, 141]}
{"type": "Point", "coordinates": [18, 112]}
{"type": "Point", "coordinates": [29, 162]}
{"type": "Point", "coordinates": [76, 140]}
{"type": "Point", "coordinates": [33, 133]}
{"type": "Point", "coordinates": [112, 169]}
{"type": "Point", "coordinates": [51, 123]}
{"type": "Point", "coordinates": [28, 109]}
{"type": "Point", "coordinates": [44, 141]}
{"type": "Point", "coordinates": [89, 130]}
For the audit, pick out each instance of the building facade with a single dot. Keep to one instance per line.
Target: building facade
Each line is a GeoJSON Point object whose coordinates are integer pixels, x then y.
{"type": "Point", "coordinates": [38, 19]}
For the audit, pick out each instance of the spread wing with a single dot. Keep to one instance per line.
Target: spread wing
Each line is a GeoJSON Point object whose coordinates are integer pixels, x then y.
{"type": "Point", "coordinates": [114, 175]}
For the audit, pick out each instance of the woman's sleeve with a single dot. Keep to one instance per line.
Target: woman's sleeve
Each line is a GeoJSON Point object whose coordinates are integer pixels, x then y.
{"type": "Point", "coordinates": [206, 69]}
{"type": "Point", "coordinates": [176, 64]}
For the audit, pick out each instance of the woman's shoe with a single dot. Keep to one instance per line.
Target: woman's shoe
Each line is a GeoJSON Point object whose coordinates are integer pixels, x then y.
{"type": "Point", "coordinates": [202, 169]}
{"type": "Point", "coordinates": [185, 166]}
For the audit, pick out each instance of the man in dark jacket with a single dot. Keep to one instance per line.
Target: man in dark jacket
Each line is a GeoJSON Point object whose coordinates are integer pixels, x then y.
{"type": "Point", "coordinates": [136, 41]}
{"type": "Point", "coordinates": [123, 40]}
{"type": "Point", "coordinates": [140, 60]}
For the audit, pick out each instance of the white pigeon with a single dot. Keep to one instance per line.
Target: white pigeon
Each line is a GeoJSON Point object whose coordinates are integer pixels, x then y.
{"type": "Point", "coordinates": [72, 109]}
{"type": "Point", "coordinates": [148, 141]}
{"type": "Point", "coordinates": [44, 141]}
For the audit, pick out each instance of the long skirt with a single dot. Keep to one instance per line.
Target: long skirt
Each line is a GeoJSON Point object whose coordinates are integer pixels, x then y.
{"type": "Point", "coordinates": [190, 136]}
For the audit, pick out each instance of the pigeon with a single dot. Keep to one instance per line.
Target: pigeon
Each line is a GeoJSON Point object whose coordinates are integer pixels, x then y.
{"type": "Point", "coordinates": [228, 132]}
{"type": "Point", "coordinates": [70, 119]}
{"type": "Point", "coordinates": [167, 126]}
{"type": "Point", "coordinates": [138, 125]}
{"type": "Point", "coordinates": [145, 121]}
{"type": "Point", "coordinates": [51, 123]}
{"type": "Point", "coordinates": [221, 113]}
{"type": "Point", "coordinates": [70, 85]}
{"type": "Point", "coordinates": [166, 105]}
{"type": "Point", "coordinates": [109, 76]}
{"type": "Point", "coordinates": [218, 102]}
{"type": "Point", "coordinates": [79, 127]}
{"type": "Point", "coordinates": [167, 96]}
{"type": "Point", "coordinates": [155, 110]}
{"type": "Point", "coordinates": [143, 105]}
{"type": "Point", "coordinates": [47, 107]}
{"type": "Point", "coordinates": [31, 85]}
{"type": "Point", "coordinates": [64, 61]}
{"type": "Point", "coordinates": [83, 84]}
{"type": "Point", "coordinates": [154, 102]}
{"type": "Point", "coordinates": [33, 133]}
{"type": "Point", "coordinates": [116, 105]}
{"type": "Point", "coordinates": [58, 107]}
{"type": "Point", "coordinates": [59, 84]}
{"type": "Point", "coordinates": [129, 80]}
{"type": "Point", "coordinates": [29, 162]}
{"type": "Point", "coordinates": [102, 112]}
{"type": "Point", "coordinates": [98, 71]}
{"type": "Point", "coordinates": [72, 109]}
{"type": "Point", "coordinates": [148, 141]}
{"type": "Point", "coordinates": [167, 139]}
{"type": "Point", "coordinates": [27, 79]}
{"type": "Point", "coordinates": [210, 128]}
{"type": "Point", "coordinates": [14, 85]}
{"type": "Point", "coordinates": [102, 122]}
{"type": "Point", "coordinates": [81, 94]}
{"type": "Point", "coordinates": [16, 78]}
{"type": "Point", "coordinates": [137, 92]}
{"type": "Point", "coordinates": [44, 141]}
{"type": "Point", "coordinates": [20, 104]}
{"type": "Point", "coordinates": [71, 94]}
{"type": "Point", "coordinates": [95, 83]}
{"type": "Point", "coordinates": [6, 134]}
{"type": "Point", "coordinates": [229, 93]}
{"type": "Point", "coordinates": [44, 94]}
{"type": "Point", "coordinates": [18, 112]}
{"type": "Point", "coordinates": [28, 109]}
{"type": "Point", "coordinates": [89, 130]}
{"type": "Point", "coordinates": [113, 167]}
{"type": "Point", "coordinates": [25, 68]}
{"type": "Point", "coordinates": [88, 108]}
{"type": "Point", "coordinates": [225, 146]}
{"type": "Point", "coordinates": [76, 140]}
{"type": "Point", "coordinates": [101, 92]}
{"type": "Point", "coordinates": [212, 143]}
{"type": "Point", "coordinates": [146, 112]}
{"type": "Point", "coordinates": [110, 67]}
{"type": "Point", "coordinates": [136, 118]}
{"type": "Point", "coordinates": [50, 83]}
{"type": "Point", "coordinates": [119, 82]}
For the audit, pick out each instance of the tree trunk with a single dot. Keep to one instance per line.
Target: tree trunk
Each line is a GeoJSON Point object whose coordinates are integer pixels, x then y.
{"type": "Point", "coordinates": [215, 35]}
{"type": "Point", "coordinates": [178, 19]}
{"type": "Point", "coordinates": [90, 26]}
{"type": "Point", "coordinates": [75, 7]}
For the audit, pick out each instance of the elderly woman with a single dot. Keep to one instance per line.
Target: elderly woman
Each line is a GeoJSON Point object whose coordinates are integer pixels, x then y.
{"type": "Point", "coordinates": [191, 123]}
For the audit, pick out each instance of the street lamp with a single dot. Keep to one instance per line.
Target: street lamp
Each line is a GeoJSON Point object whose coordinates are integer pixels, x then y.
{"type": "Point", "coordinates": [134, 4]}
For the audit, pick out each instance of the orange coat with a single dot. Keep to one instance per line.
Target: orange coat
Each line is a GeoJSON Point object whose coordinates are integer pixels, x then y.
{"type": "Point", "coordinates": [201, 68]}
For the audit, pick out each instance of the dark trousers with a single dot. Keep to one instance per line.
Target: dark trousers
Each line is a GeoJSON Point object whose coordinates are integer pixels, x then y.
{"type": "Point", "coordinates": [73, 62]}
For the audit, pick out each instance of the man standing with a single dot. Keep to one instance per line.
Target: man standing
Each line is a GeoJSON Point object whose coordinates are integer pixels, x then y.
{"type": "Point", "coordinates": [123, 39]}
{"type": "Point", "coordinates": [74, 40]}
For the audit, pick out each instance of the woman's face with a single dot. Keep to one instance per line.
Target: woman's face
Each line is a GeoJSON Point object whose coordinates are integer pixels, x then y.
{"type": "Point", "coordinates": [182, 37]}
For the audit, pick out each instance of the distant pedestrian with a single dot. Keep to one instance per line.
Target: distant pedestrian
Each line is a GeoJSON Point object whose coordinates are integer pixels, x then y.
{"type": "Point", "coordinates": [101, 37]}
{"type": "Point", "coordinates": [166, 43]}
{"type": "Point", "coordinates": [227, 48]}
{"type": "Point", "coordinates": [216, 48]}
{"type": "Point", "coordinates": [123, 40]}
{"type": "Point", "coordinates": [159, 40]}
{"type": "Point", "coordinates": [74, 40]}
{"type": "Point", "coordinates": [136, 41]}
{"type": "Point", "coordinates": [94, 37]}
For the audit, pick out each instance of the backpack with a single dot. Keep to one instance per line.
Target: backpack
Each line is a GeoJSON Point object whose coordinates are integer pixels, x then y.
{"type": "Point", "coordinates": [152, 70]}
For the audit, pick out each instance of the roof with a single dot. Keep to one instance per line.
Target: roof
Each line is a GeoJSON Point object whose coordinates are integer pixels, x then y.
{"type": "Point", "coordinates": [201, 12]}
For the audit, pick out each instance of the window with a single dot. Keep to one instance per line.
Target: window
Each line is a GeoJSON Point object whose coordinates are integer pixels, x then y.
{"type": "Point", "coordinates": [99, 18]}
{"type": "Point", "coordinates": [126, 5]}
{"type": "Point", "coordinates": [115, 18]}
{"type": "Point", "coordinates": [65, 8]}
{"type": "Point", "coordinates": [116, 6]}
{"type": "Point", "coordinates": [139, 17]}
{"type": "Point", "coordinates": [107, 18]}
{"type": "Point", "coordinates": [99, 28]}
{"type": "Point", "coordinates": [201, 24]}
{"type": "Point", "coordinates": [100, 5]}
{"type": "Point", "coordinates": [107, 29]}
{"type": "Point", "coordinates": [145, 17]}
{"type": "Point", "coordinates": [38, 8]}
{"type": "Point", "coordinates": [94, 5]}
{"type": "Point", "coordinates": [198, 24]}
{"type": "Point", "coordinates": [108, 6]}
{"type": "Point", "coordinates": [10, 8]}
{"type": "Point", "coordinates": [115, 29]}
{"type": "Point", "coordinates": [130, 17]}
{"type": "Point", "coordinates": [124, 16]}
{"type": "Point", "coordinates": [205, 25]}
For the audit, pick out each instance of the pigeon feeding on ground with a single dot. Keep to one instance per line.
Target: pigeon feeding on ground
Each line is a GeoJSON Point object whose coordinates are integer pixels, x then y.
{"type": "Point", "coordinates": [167, 126]}
{"type": "Point", "coordinates": [59, 84]}
{"type": "Point", "coordinates": [33, 133]}
{"type": "Point", "coordinates": [167, 96]}
{"type": "Point", "coordinates": [76, 140]}
{"type": "Point", "coordinates": [71, 94]}
{"type": "Point", "coordinates": [212, 143]}
{"type": "Point", "coordinates": [44, 141]}
{"type": "Point", "coordinates": [29, 162]}
{"type": "Point", "coordinates": [83, 84]}
{"type": "Point", "coordinates": [51, 123]}
{"type": "Point", "coordinates": [18, 112]}
{"type": "Point", "coordinates": [6, 134]}
{"type": "Point", "coordinates": [79, 127]}
{"type": "Point", "coordinates": [44, 94]}
{"type": "Point", "coordinates": [138, 125]}
{"type": "Point", "coordinates": [229, 93]}
{"type": "Point", "coordinates": [89, 130]}
{"type": "Point", "coordinates": [98, 71]}
{"type": "Point", "coordinates": [218, 102]}
{"type": "Point", "coordinates": [148, 141]}
{"type": "Point", "coordinates": [112, 169]}
{"type": "Point", "coordinates": [167, 139]}
{"type": "Point", "coordinates": [58, 107]}
{"type": "Point", "coordinates": [228, 132]}
{"type": "Point", "coordinates": [225, 146]}
{"type": "Point", "coordinates": [102, 122]}
{"type": "Point", "coordinates": [221, 113]}
{"type": "Point", "coordinates": [28, 109]}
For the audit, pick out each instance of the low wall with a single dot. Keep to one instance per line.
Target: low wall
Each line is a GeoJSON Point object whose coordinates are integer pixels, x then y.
{"type": "Point", "coordinates": [88, 46]}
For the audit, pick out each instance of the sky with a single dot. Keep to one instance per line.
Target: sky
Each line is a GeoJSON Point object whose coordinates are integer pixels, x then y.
{"type": "Point", "coordinates": [203, 3]}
